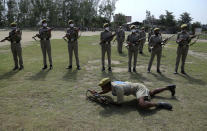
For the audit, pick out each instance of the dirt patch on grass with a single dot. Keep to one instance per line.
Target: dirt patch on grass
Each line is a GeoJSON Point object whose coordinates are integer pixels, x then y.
{"type": "Point", "coordinates": [118, 70]}
{"type": "Point", "coordinates": [4, 51]}
{"type": "Point", "coordinates": [198, 54]}
{"type": "Point", "coordinates": [90, 68]}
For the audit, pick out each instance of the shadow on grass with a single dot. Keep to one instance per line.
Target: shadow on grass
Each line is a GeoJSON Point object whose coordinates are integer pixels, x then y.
{"type": "Point", "coordinates": [70, 75]}
{"type": "Point", "coordinates": [41, 75]}
{"type": "Point", "coordinates": [162, 77]}
{"type": "Point", "coordinates": [9, 74]}
{"type": "Point", "coordinates": [193, 80]}
{"type": "Point", "coordinates": [127, 107]}
{"type": "Point", "coordinates": [108, 74]}
{"type": "Point", "coordinates": [166, 98]}
{"type": "Point", "coordinates": [137, 76]}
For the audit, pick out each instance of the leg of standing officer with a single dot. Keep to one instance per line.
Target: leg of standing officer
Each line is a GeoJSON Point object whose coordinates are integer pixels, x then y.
{"type": "Point", "coordinates": [109, 56]}
{"type": "Point", "coordinates": [19, 53]}
{"type": "Point", "coordinates": [103, 51]}
{"type": "Point", "coordinates": [48, 50]}
{"type": "Point", "coordinates": [70, 52]}
{"type": "Point", "coordinates": [159, 56]}
{"type": "Point", "coordinates": [179, 52]}
{"type": "Point", "coordinates": [76, 55]}
{"type": "Point", "coordinates": [43, 47]}
{"type": "Point", "coordinates": [14, 53]}
{"type": "Point", "coordinates": [135, 60]}
{"type": "Point", "coordinates": [184, 55]}
{"type": "Point", "coordinates": [130, 53]}
{"type": "Point", "coordinates": [151, 60]}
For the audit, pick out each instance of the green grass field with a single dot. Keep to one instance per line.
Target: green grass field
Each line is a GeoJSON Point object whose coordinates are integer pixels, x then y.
{"type": "Point", "coordinates": [33, 99]}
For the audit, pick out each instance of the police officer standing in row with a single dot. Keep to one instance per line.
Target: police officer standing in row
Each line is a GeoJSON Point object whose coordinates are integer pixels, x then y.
{"type": "Point", "coordinates": [45, 35]}
{"type": "Point", "coordinates": [183, 40]}
{"type": "Point", "coordinates": [15, 36]}
{"type": "Point", "coordinates": [72, 36]}
{"type": "Point", "coordinates": [155, 42]}
{"type": "Point", "coordinates": [106, 38]}
{"type": "Point", "coordinates": [150, 33]}
{"type": "Point", "coordinates": [142, 42]}
{"type": "Point", "coordinates": [133, 45]}
{"type": "Point", "coordinates": [120, 37]}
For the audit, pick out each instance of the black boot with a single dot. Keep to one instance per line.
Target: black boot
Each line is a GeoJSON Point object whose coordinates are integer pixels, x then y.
{"type": "Point", "coordinates": [148, 71]}
{"type": "Point", "coordinates": [183, 72]}
{"type": "Point", "coordinates": [69, 67]}
{"type": "Point", "coordinates": [21, 67]}
{"type": "Point", "coordinates": [134, 70]}
{"type": "Point", "coordinates": [164, 105]}
{"type": "Point", "coordinates": [103, 69]}
{"type": "Point", "coordinates": [158, 71]}
{"type": "Point", "coordinates": [129, 70]}
{"type": "Point", "coordinates": [45, 67]}
{"type": "Point", "coordinates": [172, 89]}
{"type": "Point", "coordinates": [176, 72]}
{"type": "Point", "coordinates": [78, 68]}
{"type": "Point", "coordinates": [51, 67]}
{"type": "Point", "coordinates": [15, 68]}
{"type": "Point", "coordinates": [109, 69]}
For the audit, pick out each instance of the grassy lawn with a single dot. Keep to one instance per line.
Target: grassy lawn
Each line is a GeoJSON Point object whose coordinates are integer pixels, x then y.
{"type": "Point", "coordinates": [33, 99]}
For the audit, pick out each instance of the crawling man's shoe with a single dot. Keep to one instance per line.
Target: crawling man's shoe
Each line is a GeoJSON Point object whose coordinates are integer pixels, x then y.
{"type": "Point", "coordinates": [172, 89]}
{"type": "Point", "coordinates": [164, 105]}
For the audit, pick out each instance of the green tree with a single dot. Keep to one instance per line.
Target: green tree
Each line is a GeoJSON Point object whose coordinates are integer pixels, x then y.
{"type": "Point", "coordinates": [169, 19]}
{"type": "Point", "coordinates": [185, 18]}
{"type": "Point", "coordinates": [24, 9]}
{"type": "Point", "coordinates": [107, 8]}
{"type": "Point", "coordinates": [195, 25]}
{"type": "Point", "coordinates": [2, 11]}
{"type": "Point", "coordinates": [120, 19]}
{"type": "Point", "coordinates": [12, 11]}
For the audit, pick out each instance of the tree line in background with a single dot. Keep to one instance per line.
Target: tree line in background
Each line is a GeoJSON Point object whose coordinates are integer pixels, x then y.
{"type": "Point", "coordinates": [28, 13]}
{"type": "Point", "coordinates": [85, 13]}
{"type": "Point", "coordinates": [169, 24]}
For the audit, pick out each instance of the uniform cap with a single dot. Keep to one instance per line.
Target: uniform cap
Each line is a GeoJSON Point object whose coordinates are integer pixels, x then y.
{"type": "Point", "coordinates": [44, 20]}
{"type": "Point", "coordinates": [184, 26]}
{"type": "Point", "coordinates": [106, 25]}
{"type": "Point", "coordinates": [70, 21]}
{"type": "Point", "coordinates": [157, 29]}
{"type": "Point", "coordinates": [132, 27]}
{"type": "Point", "coordinates": [13, 24]}
{"type": "Point", "coordinates": [104, 81]}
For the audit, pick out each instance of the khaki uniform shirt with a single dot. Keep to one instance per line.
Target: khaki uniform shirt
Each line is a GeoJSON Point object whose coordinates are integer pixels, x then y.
{"type": "Point", "coordinates": [106, 34]}
{"type": "Point", "coordinates": [44, 33]}
{"type": "Point", "coordinates": [72, 34]}
{"type": "Point", "coordinates": [121, 89]}
{"type": "Point", "coordinates": [15, 37]}
{"type": "Point", "coordinates": [185, 36]}
{"type": "Point", "coordinates": [133, 39]}
{"type": "Point", "coordinates": [155, 41]}
{"type": "Point", "coordinates": [120, 35]}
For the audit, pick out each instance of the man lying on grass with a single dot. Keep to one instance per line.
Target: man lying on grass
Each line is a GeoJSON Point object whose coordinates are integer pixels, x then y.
{"type": "Point", "coordinates": [143, 94]}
